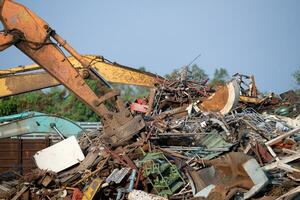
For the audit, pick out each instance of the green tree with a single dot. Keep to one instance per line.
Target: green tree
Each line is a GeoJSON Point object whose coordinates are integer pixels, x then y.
{"type": "Point", "coordinates": [36, 101]}
{"type": "Point", "coordinates": [296, 76]}
{"type": "Point", "coordinates": [72, 108]}
{"type": "Point", "coordinates": [197, 73]}
{"type": "Point", "coordinates": [174, 75]}
{"type": "Point", "coordinates": [220, 77]}
{"type": "Point", "coordinates": [53, 101]}
{"type": "Point", "coordinates": [60, 101]}
{"type": "Point", "coordinates": [127, 92]}
{"type": "Point", "coordinates": [8, 106]}
{"type": "Point", "coordinates": [194, 73]}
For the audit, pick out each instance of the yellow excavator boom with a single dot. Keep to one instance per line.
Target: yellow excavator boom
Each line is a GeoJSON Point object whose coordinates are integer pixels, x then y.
{"type": "Point", "coordinates": [29, 78]}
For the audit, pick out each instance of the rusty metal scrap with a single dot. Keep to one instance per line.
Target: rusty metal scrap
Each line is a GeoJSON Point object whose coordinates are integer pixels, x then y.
{"type": "Point", "coordinates": [242, 154]}
{"type": "Point", "coordinates": [186, 140]}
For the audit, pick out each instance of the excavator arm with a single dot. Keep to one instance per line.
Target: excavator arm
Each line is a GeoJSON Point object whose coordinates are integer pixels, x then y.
{"type": "Point", "coordinates": [35, 38]}
{"type": "Point", "coordinates": [15, 81]}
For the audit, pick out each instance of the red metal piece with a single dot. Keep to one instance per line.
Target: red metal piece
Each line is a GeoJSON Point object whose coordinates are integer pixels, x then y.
{"type": "Point", "coordinates": [77, 194]}
{"type": "Point", "coordinates": [138, 107]}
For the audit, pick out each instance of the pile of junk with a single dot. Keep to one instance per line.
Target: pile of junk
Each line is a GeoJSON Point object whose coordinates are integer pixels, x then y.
{"type": "Point", "coordinates": [196, 142]}
{"type": "Point", "coordinates": [186, 140]}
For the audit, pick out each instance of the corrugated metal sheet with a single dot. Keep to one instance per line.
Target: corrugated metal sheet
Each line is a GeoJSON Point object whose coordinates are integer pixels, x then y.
{"type": "Point", "coordinates": [17, 154]}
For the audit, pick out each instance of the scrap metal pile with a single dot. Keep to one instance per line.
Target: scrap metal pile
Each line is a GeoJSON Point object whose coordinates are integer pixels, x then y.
{"type": "Point", "coordinates": [247, 150]}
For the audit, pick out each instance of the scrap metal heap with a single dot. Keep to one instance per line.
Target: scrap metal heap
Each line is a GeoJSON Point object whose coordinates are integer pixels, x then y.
{"type": "Point", "coordinates": [184, 152]}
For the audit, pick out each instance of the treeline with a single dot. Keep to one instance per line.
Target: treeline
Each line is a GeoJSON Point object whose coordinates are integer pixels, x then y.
{"type": "Point", "coordinates": [51, 101]}
{"type": "Point", "coordinates": [60, 101]}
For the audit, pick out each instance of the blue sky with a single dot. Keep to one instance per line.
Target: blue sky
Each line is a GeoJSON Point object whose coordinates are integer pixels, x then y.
{"type": "Point", "coordinates": [247, 36]}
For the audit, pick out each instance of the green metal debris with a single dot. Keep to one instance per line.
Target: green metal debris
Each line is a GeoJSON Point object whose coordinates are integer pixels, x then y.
{"type": "Point", "coordinates": [161, 173]}
{"type": "Point", "coordinates": [283, 111]}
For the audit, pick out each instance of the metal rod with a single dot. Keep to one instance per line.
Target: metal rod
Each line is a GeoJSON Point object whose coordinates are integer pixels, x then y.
{"type": "Point", "coordinates": [52, 125]}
